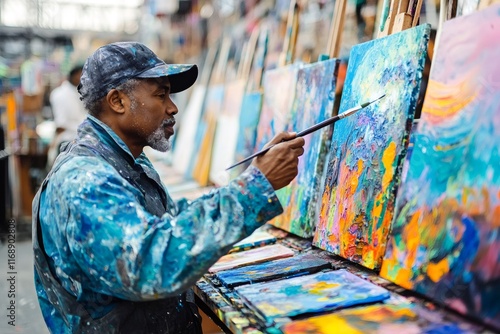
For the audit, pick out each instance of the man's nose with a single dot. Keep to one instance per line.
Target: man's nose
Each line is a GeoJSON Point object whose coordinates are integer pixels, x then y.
{"type": "Point", "coordinates": [172, 108]}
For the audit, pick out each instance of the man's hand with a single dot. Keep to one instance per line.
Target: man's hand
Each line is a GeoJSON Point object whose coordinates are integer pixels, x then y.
{"type": "Point", "coordinates": [280, 163]}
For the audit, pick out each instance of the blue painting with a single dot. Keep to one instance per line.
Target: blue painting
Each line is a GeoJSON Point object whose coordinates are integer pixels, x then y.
{"type": "Point", "coordinates": [247, 131]}
{"type": "Point", "coordinates": [300, 264]}
{"type": "Point", "coordinates": [323, 291]}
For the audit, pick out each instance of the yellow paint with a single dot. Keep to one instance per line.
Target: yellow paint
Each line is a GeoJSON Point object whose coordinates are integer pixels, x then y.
{"type": "Point", "coordinates": [436, 270]}
{"type": "Point", "coordinates": [269, 309]}
{"type": "Point", "coordinates": [388, 160]}
{"type": "Point", "coordinates": [355, 180]}
{"type": "Point", "coordinates": [445, 100]}
{"type": "Point", "coordinates": [369, 258]}
{"type": "Point", "coordinates": [201, 170]}
{"type": "Point", "coordinates": [338, 325]}
{"type": "Point", "coordinates": [412, 237]}
{"type": "Point", "coordinates": [319, 287]}
{"type": "Point", "coordinates": [369, 319]}
{"type": "Point", "coordinates": [345, 206]}
{"type": "Point", "coordinates": [377, 207]}
{"type": "Point", "coordinates": [403, 275]}
{"type": "Point", "coordinates": [326, 324]}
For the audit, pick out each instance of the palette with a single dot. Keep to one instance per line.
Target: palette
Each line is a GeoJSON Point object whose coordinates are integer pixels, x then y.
{"type": "Point", "coordinates": [298, 265]}
{"type": "Point", "coordinates": [318, 292]}
{"type": "Point", "coordinates": [367, 148]}
{"type": "Point", "coordinates": [445, 241]}
{"type": "Point", "coordinates": [252, 256]}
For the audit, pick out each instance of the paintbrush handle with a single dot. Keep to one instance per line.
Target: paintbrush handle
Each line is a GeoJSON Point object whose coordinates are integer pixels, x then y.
{"type": "Point", "coordinates": [318, 126]}
{"type": "Point", "coordinates": [300, 134]}
{"type": "Point", "coordinates": [251, 156]}
{"type": "Point", "coordinates": [313, 128]}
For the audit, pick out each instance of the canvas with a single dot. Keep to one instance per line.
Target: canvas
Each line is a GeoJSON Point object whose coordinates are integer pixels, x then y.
{"type": "Point", "coordinates": [279, 90]}
{"type": "Point", "coordinates": [226, 135]}
{"type": "Point", "coordinates": [256, 255]}
{"type": "Point", "coordinates": [297, 265]}
{"type": "Point", "coordinates": [367, 148]}
{"type": "Point", "coordinates": [379, 319]}
{"type": "Point", "coordinates": [258, 238]}
{"type": "Point", "coordinates": [445, 241]}
{"type": "Point", "coordinates": [247, 130]}
{"type": "Point", "coordinates": [314, 97]}
{"type": "Point", "coordinates": [318, 292]}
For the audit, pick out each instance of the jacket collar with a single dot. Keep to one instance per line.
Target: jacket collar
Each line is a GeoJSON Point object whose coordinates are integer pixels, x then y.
{"type": "Point", "coordinates": [94, 127]}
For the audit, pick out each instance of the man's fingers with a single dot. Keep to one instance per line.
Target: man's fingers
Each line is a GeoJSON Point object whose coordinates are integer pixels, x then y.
{"type": "Point", "coordinates": [296, 143]}
{"type": "Point", "coordinates": [283, 136]}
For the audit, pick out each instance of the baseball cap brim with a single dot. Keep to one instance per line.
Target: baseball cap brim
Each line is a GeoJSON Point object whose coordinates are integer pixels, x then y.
{"type": "Point", "coordinates": [181, 76]}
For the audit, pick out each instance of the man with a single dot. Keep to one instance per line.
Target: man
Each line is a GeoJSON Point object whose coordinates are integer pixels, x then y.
{"type": "Point", "coordinates": [113, 252]}
{"type": "Point", "coordinates": [68, 111]}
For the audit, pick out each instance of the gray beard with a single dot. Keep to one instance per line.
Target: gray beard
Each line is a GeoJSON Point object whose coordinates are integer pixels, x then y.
{"type": "Point", "coordinates": [158, 141]}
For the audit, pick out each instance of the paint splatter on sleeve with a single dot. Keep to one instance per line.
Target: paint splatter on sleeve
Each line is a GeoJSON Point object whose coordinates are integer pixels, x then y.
{"type": "Point", "coordinates": [120, 249]}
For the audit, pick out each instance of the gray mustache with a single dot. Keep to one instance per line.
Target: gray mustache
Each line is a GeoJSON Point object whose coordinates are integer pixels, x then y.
{"type": "Point", "coordinates": [169, 122]}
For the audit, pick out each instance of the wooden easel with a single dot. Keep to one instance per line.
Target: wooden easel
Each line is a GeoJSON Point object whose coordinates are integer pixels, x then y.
{"type": "Point", "coordinates": [403, 14]}
{"type": "Point", "coordinates": [336, 29]}
{"type": "Point", "coordinates": [292, 32]}
{"type": "Point", "coordinates": [248, 56]}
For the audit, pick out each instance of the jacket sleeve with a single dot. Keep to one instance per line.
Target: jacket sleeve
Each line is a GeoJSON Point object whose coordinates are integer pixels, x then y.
{"type": "Point", "coordinates": [129, 253]}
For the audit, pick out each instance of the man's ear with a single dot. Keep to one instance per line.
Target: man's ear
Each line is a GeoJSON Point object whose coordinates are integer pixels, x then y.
{"type": "Point", "coordinates": [117, 101]}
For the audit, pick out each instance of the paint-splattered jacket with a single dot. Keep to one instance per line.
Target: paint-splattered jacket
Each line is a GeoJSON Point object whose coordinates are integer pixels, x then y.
{"type": "Point", "coordinates": [119, 249]}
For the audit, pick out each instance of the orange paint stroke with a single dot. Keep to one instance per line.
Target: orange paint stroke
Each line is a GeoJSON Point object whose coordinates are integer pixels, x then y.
{"type": "Point", "coordinates": [388, 161]}
{"type": "Point", "coordinates": [444, 100]}
{"type": "Point", "coordinates": [435, 271]}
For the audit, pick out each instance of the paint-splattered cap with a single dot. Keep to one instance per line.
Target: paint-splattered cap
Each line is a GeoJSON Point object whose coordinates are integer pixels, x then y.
{"type": "Point", "coordinates": [114, 64]}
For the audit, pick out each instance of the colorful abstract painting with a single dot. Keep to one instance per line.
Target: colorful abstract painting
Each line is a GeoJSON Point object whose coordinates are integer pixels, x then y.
{"type": "Point", "coordinates": [378, 319]}
{"type": "Point", "coordinates": [308, 294]}
{"type": "Point", "coordinates": [297, 265]}
{"type": "Point", "coordinates": [314, 97]}
{"type": "Point", "coordinates": [258, 238]}
{"type": "Point", "coordinates": [256, 255]}
{"type": "Point", "coordinates": [367, 148]}
{"type": "Point", "coordinates": [445, 241]}
{"type": "Point", "coordinates": [247, 130]}
{"type": "Point", "coordinates": [226, 135]}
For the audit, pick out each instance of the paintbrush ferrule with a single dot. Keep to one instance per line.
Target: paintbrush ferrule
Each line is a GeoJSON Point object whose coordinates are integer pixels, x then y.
{"type": "Point", "coordinates": [349, 112]}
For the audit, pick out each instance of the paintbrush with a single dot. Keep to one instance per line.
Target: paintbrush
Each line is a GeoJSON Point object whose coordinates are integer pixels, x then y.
{"type": "Point", "coordinates": [313, 128]}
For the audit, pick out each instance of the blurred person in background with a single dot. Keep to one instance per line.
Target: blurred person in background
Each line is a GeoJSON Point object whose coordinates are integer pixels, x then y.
{"type": "Point", "coordinates": [113, 252]}
{"type": "Point", "coordinates": [68, 111]}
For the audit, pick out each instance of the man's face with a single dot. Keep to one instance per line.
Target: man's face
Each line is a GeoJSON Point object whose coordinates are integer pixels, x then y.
{"type": "Point", "coordinates": [152, 113]}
